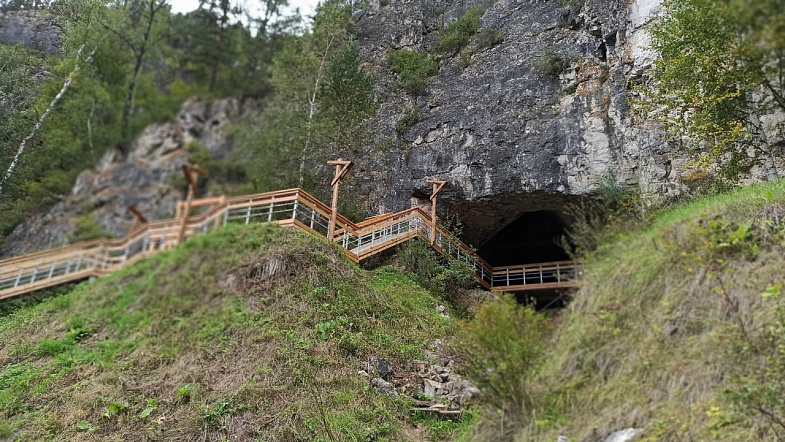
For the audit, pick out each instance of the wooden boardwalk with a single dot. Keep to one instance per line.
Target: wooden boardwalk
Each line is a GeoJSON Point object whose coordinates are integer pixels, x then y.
{"type": "Point", "coordinates": [293, 207]}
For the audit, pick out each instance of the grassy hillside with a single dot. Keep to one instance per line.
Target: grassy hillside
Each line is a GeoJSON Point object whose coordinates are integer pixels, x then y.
{"type": "Point", "coordinates": [251, 333]}
{"type": "Point", "coordinates": [678, 330]}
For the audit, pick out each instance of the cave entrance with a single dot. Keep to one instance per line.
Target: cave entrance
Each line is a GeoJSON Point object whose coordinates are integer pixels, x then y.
{"type": "Point", "coordinates": [533, 237]}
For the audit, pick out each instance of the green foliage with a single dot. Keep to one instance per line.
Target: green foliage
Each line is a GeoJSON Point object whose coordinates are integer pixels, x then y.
{"type": "Point", "coordinates": [408, 120]}
{"type": "Point", "coordinates": [414, 69]}
{"type": "Point", "coordinates": [552, 63]}
{"type": "Point", "coordinates": [696, 271]}
{"type": "Point", "coordinates": [86, 227]}
{"type": "Point", "coordinates": [456, 35]}
{"type": "Point", "coordinates": [347, 98]}
{"type": "Point", "coordinates": [442, 429]}
{"type": "Point", "coordinates": [152, 405]}
{"type": "Point", "coordinates": [720, 69]}
{"type": "Point", "coordinates": [500, 351]}
{"type": "Point", "coordinates": [84, 426]}
{"type": "Point", "coordinates": [489, 37]}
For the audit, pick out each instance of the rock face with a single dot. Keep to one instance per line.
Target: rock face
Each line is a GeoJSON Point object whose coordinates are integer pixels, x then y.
{"type": "Point", "coordinates": [31, 29]}
{"type": "Point", "coordinates": [506, 135]}
{"type": "Point", "coordinates": [146, 178]}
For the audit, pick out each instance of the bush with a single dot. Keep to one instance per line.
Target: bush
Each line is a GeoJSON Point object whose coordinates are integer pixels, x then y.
{"type": "Point", "coordinates": [409, 119]}
{"type": "Point", "coordinates": [414, 69]}
{"type": "Point", "coordinates": [551, 63]}
{"type": "Point", "coordinates": [86, 227]}
{"type": "Point", "coordinates": [500, 351]}
{"type": "Point", "coordinates": [489, 37]}
{"type": "Point", "coordinates": [456, 34]}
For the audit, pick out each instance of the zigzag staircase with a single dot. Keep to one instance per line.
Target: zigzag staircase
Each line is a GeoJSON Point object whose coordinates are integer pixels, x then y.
{"type": "Point", "coordinates": [294, 207]}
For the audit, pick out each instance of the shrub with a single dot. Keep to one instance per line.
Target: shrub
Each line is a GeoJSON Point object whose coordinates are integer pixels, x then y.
{"type": "Point", "coordinates": [500, 350]}
{"type": "Point", "coordinates": [551, 63]}
{"type": "Point", "coordinates": [414, 69]}
{"type": "Point", "coordinates": [86, 227]}
{"type": "Point", "coordinates": [409, 119]}
{"type": "Point", "coordinates": [489, 37]}
{"type": "Point", "coordinates": [456, 34]}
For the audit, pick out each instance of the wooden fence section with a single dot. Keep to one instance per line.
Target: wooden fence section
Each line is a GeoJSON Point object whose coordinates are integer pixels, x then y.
{"type": "Point", "coordinates": [295, 207]}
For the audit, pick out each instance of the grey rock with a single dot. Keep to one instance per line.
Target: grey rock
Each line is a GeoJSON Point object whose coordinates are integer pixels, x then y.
{"type": "Point", "coordinates": [33, 29]}
{"type": "Point", "coordinates": [383, 387]}
{"type": "Point", "coordinates": [624, 435]}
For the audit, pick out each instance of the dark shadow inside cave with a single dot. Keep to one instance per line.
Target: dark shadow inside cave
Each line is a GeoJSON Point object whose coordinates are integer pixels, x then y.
{"type": "Point", "coordinates": [533, 237]}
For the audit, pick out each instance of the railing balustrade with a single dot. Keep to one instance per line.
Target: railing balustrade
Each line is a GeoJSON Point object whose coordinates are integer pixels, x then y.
{"type": "Point", "coordinates": [289, 207]}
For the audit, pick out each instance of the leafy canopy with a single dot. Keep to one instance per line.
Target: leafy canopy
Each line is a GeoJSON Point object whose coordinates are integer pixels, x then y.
{"type": "Point", "coordinates": [721, 69]}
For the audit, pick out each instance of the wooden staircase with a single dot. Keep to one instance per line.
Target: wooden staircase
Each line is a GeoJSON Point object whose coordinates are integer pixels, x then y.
{"type": "Point", "coordinates": [293, 207]}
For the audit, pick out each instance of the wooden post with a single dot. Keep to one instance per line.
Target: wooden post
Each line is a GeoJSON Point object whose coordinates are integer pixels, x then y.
{"type": "Point", "coordinates": [191, 175]}
{"type": "Point", "coordinates": [438, 185]}
{"type": "Point", "coordinates": [341, 169]}
{"type": "Point", "coordinates": [139, 219]}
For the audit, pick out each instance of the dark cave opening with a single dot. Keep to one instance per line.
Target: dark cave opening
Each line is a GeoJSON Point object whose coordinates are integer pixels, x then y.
{"type": "Point", "coordinates": [533, 237]}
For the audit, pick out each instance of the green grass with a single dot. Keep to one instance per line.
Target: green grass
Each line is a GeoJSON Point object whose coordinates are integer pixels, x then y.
{"type": "Point", "coordinates": [649, 339]}
{"type": "Point", "coordinates": [267, 327]}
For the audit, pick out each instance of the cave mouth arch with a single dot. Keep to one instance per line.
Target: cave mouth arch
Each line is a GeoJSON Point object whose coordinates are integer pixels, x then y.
{"type": "Point", "coordinates": [533, 237]}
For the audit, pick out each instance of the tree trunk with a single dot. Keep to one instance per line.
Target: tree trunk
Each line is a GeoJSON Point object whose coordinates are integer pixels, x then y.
{"type": "Point", "coordinates": [763, 144]}
{"type": "Point", "coordinates": [130, 94]}
{"type": "Point", "coordinates": [311, 112]}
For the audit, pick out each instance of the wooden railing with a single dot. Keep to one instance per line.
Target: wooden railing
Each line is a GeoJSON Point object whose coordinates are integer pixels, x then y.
{"type": "Point", "coordinates": [295, 207]}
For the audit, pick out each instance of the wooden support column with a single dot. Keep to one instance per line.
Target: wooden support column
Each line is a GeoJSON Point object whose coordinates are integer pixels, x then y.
{"type": "Point", "coordinates": [191, 175]}
{"type": "Point", "coordinates": [341, 169]}
{"type": "Point", "coordinates": [139, 219]}
{"type": "Point", "coordinates": [438, 185]}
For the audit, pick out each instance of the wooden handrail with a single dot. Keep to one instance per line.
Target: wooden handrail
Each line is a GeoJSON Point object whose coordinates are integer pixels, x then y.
{"type": "Point", "coordinates": [102, 256]}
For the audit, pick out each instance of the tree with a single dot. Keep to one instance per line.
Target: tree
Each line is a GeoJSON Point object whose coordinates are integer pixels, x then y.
{"type": "Point", "coordinates": [721, 69]}
{"type": "Point", "coordinates": [347, 97]}
{"type": "Point", "coordinates": [140, 30]}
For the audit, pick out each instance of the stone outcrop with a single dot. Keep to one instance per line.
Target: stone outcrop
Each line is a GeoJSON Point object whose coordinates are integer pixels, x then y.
{"type": "Point", "coordinates": [32, 29]}
{"type": "Point", "coordinates": [145, 177]}
{"type": "Point", "coordinates": [508, 136]}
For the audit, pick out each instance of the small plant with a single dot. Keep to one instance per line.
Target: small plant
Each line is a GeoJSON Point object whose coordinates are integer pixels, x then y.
{"type": "Point", "coordinates": [414, 69]}
{"type": "Point", "coordinates": [86, 227]}
{"type": "Point", "coordinates": [456, 35]}
{"type": "Point", "coordinates": [84, 426]}
{"type": "Point", "coordinates": [184, 393]}
{"type": "Point", "coordinates": [551, 63]}
{"type": "Point", "coordinates": [152, 404]}
{"type": "Point", "coordinates": [384, 3]}
{"type": "Point", "coordinates": [409, 119]}
{"type": "Point", "coordinates": [489, 37]}
{"type": "Point", "coordinates": [113, 410]}
{"type": "Point", "coordinates": [212, 415]}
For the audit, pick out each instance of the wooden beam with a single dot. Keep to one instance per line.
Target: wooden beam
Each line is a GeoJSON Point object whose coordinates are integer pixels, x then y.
{"type": "Point", "coordinates": [191, 175]}
{"type": "Point", "coordinates": [139, 219]}
{"type": "Point", "coordinates": [438, 186]}
{"type": "Point", "coordinates": [341, 169]}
